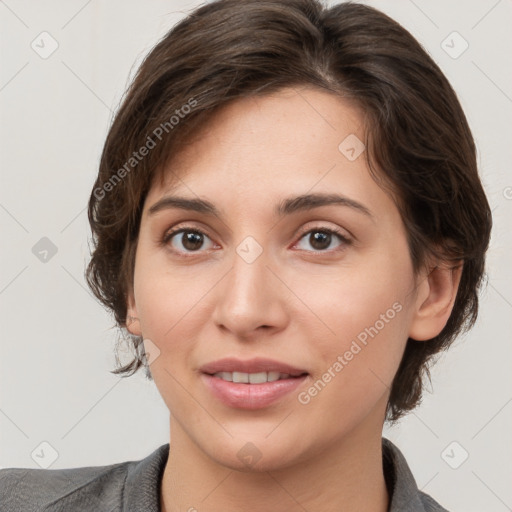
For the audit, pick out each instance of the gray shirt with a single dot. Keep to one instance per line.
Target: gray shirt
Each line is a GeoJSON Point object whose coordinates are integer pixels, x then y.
{"type": "Point", "coordinates": [134, 486]}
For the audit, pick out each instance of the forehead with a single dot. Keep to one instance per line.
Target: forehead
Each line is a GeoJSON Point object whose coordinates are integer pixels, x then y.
{"type": "Point", "coordinates": [292, 122]}
{"type": "Point", "coordinates": [284, 143]}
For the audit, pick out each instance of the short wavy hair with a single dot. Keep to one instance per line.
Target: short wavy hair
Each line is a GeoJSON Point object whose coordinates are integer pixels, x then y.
{"type": "Point", "coordinates": [418, 141]}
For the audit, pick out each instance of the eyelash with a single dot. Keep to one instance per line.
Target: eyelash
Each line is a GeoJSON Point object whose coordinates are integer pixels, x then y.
{"type": "Point", "coordinates": [319, 229]}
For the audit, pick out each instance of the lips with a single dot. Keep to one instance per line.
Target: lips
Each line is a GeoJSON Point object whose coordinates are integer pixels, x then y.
{"type": "Point", "coordinates": [256, 365]}
{"type": "Point", "coordinates": [252, 378]}
{"type": "Point", "coordinates": [252, 384]}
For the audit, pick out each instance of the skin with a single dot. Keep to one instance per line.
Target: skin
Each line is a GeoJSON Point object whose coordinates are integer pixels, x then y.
{"type": "Point", "coordinates": [298, 302]}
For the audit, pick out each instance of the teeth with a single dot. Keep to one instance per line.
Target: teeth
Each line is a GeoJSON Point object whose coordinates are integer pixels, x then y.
{"type": "Point", "coordinates": [240, 377]}
{"type": "Point", "coordinates": [273, 376]}
{"type": "Point", "coordinates": [251, 378]}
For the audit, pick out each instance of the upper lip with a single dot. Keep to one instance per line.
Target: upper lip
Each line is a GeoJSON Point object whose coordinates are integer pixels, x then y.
{"type": "Point", "coordinates": [256, 365]}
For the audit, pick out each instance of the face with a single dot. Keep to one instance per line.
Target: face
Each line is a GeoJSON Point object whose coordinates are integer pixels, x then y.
{"type": "Point", "coordinates": [326, 287]}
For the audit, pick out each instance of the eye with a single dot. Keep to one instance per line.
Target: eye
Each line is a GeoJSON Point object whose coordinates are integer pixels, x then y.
{"type": "Point", "coordinates": [191, 239]}
{"type": "Point", "coordinates": [321, 238]}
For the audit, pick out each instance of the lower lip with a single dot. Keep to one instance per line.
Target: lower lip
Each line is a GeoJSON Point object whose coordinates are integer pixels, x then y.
{"type": "Point", "coordinates": [250, 396]}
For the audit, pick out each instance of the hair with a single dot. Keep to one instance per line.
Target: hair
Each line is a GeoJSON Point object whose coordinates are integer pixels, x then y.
{"type": "Point", "coordinates": [418, 141]}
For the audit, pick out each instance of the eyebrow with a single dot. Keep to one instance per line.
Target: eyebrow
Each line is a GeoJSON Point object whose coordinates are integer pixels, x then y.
{"type": "Point", "coordinates": [287, 206]}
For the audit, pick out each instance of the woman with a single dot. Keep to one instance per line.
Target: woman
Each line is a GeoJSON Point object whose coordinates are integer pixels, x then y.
{"type": "Point", "coordinates": [289, 221]}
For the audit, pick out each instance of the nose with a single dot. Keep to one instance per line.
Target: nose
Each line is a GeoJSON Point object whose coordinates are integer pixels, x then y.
{"type": "Point", "coordinates": [251, 299]}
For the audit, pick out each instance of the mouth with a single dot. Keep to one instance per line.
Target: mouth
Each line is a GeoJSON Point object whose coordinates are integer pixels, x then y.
{"type": "Point", "coordinates": [256, 367]}
{"type": "Point", "coordinates": [254, 378]}
{"type": "Point", "coordinates": [252, 384]}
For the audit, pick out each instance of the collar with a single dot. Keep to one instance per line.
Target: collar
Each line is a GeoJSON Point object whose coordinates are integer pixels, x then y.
{"type": "Point", "coordinates": [144, 478]}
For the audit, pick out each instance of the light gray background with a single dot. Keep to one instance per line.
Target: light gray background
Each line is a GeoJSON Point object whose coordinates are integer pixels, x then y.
{"type": "Point", "coordinates": [57, 342]}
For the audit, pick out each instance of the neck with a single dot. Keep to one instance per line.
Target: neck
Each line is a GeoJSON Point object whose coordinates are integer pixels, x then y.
{"type": "Point", "coordinates": [348, 476]}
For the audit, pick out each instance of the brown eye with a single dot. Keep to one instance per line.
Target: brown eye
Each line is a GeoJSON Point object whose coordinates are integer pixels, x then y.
{"type": "Point", "coordinates": [320, 239]}
{"type": "Point", "coordinates": [190, 240]}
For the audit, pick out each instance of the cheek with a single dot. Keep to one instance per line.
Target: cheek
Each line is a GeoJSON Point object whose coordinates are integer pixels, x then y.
{"type": "Point", "coordinates": [367, 316]}
{"type": "Point", "coordinates": [165, 298]}
{"type": "Point", "coordinates": [357, 364]}
{"type": "Point", "coordinates": [173, 309]}
{"type": "Point", "coordinates": [167, 305]}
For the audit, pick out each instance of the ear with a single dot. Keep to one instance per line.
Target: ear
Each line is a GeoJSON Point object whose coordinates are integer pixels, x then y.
{"type": "Point", "coordinates": [434, 300]}
{"type": "Point", "coordinates": [132, 316]}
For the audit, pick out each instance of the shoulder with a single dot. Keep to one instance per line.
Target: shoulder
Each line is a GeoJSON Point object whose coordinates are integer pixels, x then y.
{"type": "Point", "coordinates": [430, 504]}
{"type": "Point", "coordinates": [403, 491]}
{"type": "Point", "coordinates": [92, 488]}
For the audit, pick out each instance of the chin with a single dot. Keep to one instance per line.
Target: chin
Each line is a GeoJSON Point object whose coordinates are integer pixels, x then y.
{"type": "Point", "coordinates": [257, 456]}
{"type": "Point", "coordinates": [263, 465]}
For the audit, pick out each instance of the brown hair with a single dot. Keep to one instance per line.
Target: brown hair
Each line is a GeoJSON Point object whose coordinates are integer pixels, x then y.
{"type": "Point", "coordinates": [416, 134]}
